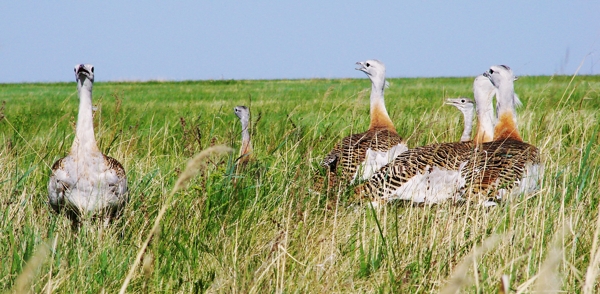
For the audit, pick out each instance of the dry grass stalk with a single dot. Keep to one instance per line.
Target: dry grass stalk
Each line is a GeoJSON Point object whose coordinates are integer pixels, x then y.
{"type": "Point", "coordinates": [24, 280]}
{"type": "Point", "coordinates": [504, 285]}
{"type": "Point", "coordinates": [191, 170]}
{"type": "Point", "coordinates": [592, 270]}
{"type": "Point", "coordinates": [548, 280]}
{"type": "Point", "coordinates": [459, 278]}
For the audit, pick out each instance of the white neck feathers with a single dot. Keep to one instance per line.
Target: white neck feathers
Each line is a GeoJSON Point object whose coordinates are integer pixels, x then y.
{"type": "Point", "coordinates": [85, 142]}
{"type": "Point", "coordinates": [468, 116]}
{"type": "Point", "coordinates": [246, 145]}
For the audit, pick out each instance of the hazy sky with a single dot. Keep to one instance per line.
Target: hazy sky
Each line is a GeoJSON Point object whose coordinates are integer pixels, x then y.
{"type": "Point", "coordinates": [190, 40]}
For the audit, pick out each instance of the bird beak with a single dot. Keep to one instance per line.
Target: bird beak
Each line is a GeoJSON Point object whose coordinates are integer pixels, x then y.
{"type": "Point", "coordinates": [448, 101]}
{"type": "Point", "coordinates": [361, 66]}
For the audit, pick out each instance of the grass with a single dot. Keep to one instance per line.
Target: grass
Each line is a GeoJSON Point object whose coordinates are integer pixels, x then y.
{"type": "Point", "coordinates": [266, 232]}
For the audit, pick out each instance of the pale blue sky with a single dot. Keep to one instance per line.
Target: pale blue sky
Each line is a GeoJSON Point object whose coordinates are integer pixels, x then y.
{"type": "Point", "coordinates": [41, 41]}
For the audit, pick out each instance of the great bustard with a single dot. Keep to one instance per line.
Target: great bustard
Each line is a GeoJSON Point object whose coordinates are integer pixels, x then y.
{"type": "Point", "coordinates": [87, 182]}
{"type": "Point", "coordinates": [510, 166]}
{"type": "Point", "coordinates": [432, 173]}
{"type": "Point", "coordinates": [381, 141]}
{"type": "Point", "coordinates": [243, 113]}
{"type": "Point", "coordinates": [467, 108]}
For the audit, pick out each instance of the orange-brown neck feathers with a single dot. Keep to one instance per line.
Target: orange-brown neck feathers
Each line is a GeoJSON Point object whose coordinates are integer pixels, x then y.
{"type": "Point", "coordinates": [506, 128]}
{"type": "Point", "coordinates": [380, 119]}
{"type": "Point", "coordinates": [245, 152]}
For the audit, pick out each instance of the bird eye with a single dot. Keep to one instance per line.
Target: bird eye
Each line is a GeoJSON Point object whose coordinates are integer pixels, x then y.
{"type": "Point", "coordinates": [92, 69]}
{"type": "Point", "coordinates": [491, 71]}
{"type": "Point", "coordinates": [462, 101]}
{"type": "Point", "coordinates": [368, 64]}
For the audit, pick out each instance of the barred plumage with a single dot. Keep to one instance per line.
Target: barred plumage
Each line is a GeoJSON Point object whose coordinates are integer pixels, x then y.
{"type": "Point", "coordinates": [488, 170]}
{"type": "Point", "coordinates": [431, 173]}
{"type": "Point", "coordinates": [351, 152]}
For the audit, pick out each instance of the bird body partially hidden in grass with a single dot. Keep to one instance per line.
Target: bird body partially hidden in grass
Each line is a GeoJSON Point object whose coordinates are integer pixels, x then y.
{"type": "Point", "coordinates": [87, 182]}
{"type": "Point", "coordinates": [432, 173]}
{"type": "Point", "coordinates": [243, 113]}
{"type": "Point", "coordinates": [358, 156]}
{"type": "Point", "coordinates": [485, 171]}
{"type": "Point", "coordinates": [519, 167]}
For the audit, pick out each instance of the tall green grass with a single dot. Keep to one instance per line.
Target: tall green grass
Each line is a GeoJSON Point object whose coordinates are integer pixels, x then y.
{"type": "Point", "coordinates": [262, 230]}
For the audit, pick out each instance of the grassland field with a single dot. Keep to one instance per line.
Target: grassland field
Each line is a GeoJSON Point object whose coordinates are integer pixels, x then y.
{"type": "Point", "coordinates": [262, 231]}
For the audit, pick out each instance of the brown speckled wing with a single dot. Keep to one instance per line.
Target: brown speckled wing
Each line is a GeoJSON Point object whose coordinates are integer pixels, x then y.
{"type": "Point", "coordinates": [488, 167]}
{"type": "Point", "coordinates": [415, 161]}
{"type": "Point", "coordinates": [58, 164]}
{"type": "Point", "coordinates": [351, 152]}
{"type": "Point", "coordinates": [498, 165]}
{"type": "Point", "coordinates": [114, 165]}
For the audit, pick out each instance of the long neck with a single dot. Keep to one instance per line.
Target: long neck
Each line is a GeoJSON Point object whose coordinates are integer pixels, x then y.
{"type": "Point", "coordinates": [246, 145]}
{"type": "Point", "coordinates": [84, 133]}
{"type": "Point", "coordinates": [485, 115]}
{"type": "Point", "coordinates": [379, 115]}
{"type": "Point", "coordinates": [507, 122]}
{"type": "Point", "coordinates": [468, 116]}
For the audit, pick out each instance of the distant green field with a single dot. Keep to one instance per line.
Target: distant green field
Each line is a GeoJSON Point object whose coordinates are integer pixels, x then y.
{"type": "Point", "coordinates": [267, 232]}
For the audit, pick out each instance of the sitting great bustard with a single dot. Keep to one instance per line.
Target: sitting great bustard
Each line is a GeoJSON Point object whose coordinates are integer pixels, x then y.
{"type": "Point", "coordinates": [515, 166]}
{"type": "Point", "coordinates": [243, 113]}
{"type": "Point", "coordinates": [432, 173]}
{"type": "Point", "coordinates": [466, 107]}
{"type": "Point", "coordinates": [87, 181]}
{"type": "Point", "coordinates": [381, 141]}
{"type": "Point", "coordinates": [486, 171]}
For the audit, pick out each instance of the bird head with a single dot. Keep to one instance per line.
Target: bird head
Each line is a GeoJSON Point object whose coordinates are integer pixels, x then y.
{"type": "Point", "coordinates": [243, 113]}
{"type": "Point", "coordinates": [84, 74]}
{"type": "Point", "coordinates": [374, 68]}
{"type": "Point", "coordinates": [462, 103]}
{"type": "Point", "coordinates": [499, 74]}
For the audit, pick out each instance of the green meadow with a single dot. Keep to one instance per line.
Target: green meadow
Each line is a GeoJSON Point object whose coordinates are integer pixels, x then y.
{"type": "Point", "coordinates": [262, 230]}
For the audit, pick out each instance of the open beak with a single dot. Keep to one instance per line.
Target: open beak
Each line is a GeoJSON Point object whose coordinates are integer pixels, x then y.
{"type": "Point", "coordinates": [361, 66]}
{"type": "Point", "coordinates": [449, 101]}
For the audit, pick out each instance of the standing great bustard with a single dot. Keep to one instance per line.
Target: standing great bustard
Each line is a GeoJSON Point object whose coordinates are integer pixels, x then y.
{"type": "Point", "coordinates": [466, 107]}
{"type": "Point", "coordinates": [87, 182]}
{"type": "Point", "coordinates": [381, 141]}
{"type": "Point", "coordinates": [432, 173]}
{"type": "Point", "coordinates": [243, 113]}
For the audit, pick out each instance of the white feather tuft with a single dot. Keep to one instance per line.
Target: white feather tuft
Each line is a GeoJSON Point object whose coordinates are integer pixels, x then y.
{"type": "Point", "coordinates": [374, 160]}
{"type": "Point", "coordinates": [433, 186]}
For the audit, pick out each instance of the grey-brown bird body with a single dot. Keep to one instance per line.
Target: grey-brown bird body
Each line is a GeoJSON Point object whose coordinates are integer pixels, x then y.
{"type": "Point", "coordinates": [243, 113]}
{"type": "Point", "coordinates": [87, 181]}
